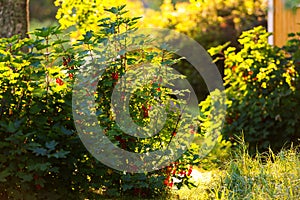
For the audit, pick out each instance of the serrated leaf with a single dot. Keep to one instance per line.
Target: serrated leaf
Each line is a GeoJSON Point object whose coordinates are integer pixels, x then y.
{"type": "Point", "coordinates": [66, 131]}
{"type": "Point", "coordinates": [87, 36]}
{"type": "Point", "coordinates": [127, 187]}
{"type": "Point", "coordinates": [51, 145]}
{"type": "Point", "coordinates": [18, 123]}
{"type": "Point", "coordinates": [113, 10]}
{"type": "Point", "coordinates": [39, 166]}
{"type": "Point", "coordinates": [54, 169]}
{"type": "Point", "coordinates": [60, 154]}
{"type": "Point", "coordinates": [38, 92]}
{"type": "Point", "coordinates": [25, 177]}
{"type": "Point", "coordinates": [104, 19]}
{"type": "Point", "coordinates": [40, 151]}
{"type": "Point", "coordinates": [121, 7]}
{"type": "Point", "coordinates": [11, 127]}
{"type": "Point", "coordinates": [126, 178]}
{"type": "Point", "coordinates": [34, 109]}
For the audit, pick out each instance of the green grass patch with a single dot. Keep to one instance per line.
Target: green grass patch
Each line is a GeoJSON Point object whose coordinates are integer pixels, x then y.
{"type": "Point", "coordinates": [264, 176]}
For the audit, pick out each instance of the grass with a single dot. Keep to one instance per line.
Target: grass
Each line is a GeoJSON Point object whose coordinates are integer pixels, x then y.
{"type": "Point", "coordinates": [265, 176]}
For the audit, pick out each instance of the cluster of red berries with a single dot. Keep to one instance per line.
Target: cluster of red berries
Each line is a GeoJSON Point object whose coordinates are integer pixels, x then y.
{"type": "Point", "coordinates": [121, 141]}
{"type": "Point", "coordinates": [174, 133]}
{"type": "Point", "coordinates": [66, 62]}
{"type": "Point", "coordinates": [146, 110]}
{"type": "Point", "coordinates": [59, 81]}
{"type": "Point", "coordinates": [172, 170]}
{"type": "Point", "coordinates": [115, 76]}
{"type": "Point", "coordinates": [37, 186]}
{"type": "Point", "coordinates": [168, 182]}
{"type": "Point", "coordinates": [124, 142]}
{"type": "Point", "coordinates": [245, 74]}
{"type": "Point", "coordinates": [230, 120]}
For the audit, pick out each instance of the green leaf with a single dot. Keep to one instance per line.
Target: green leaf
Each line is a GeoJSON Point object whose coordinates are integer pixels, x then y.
{"type": "Point", "coordinates": [60, 154]}
{"type": "Point", "coordinates": [59, 41]}
{"type": "Point", "coordinates": [88, 36]}
{"type": "Point", "coordinates": [5, 173]}
{"type": "Point", "coordinates": [18, 123]}
{"type": "Point", "coordinates": [54, 169]}
{"type": "Point", "coordinates": [40, 151]}
{"type": "Point", "coordinates": [35, 109]}
{"type": "Point", "coordinates": [38, 92]}
{"type": "Point", "coordinates": [25, 177]}
{"type": "Point", "coordinates": [42, 46]}
{"type": "Point", "coordinates": [4, 144]}
{"type": "Point", "coordinates": [11, 127]}
{"type": "Point", "coordinates": [113, 10]}
{"type": "Point", "coordinates": [42, 32]}
{"type": "Point", "coordinates": [39, 166]}
{"type": "Point", "coordinates": [66, 131]}
{"type": "Point", "coordinates": [51, 145]}
{"type": "Point", "coordinates": [104, 19]}
{"type": "Point", "coordinates": [136, 18]}
{"type": "Point", "coordinates": [291, 35]}
{"type": "Point", "coordinates": [126, 178]}
{"type": "Point", "coordinates": [121, 7]}
{"type": "Point", "coordinates": [127, 187]}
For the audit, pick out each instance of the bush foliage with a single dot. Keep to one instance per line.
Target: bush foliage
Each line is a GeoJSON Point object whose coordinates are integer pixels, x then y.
{"type": "Point", "coordinates": [210, 23]}
{"type": "Point", "coordinates": [43, 157]}
{"type": "Point", "coordinates": [262, 88]}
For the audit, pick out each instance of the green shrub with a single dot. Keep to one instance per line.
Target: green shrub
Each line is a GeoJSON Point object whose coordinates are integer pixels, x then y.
{"type": "Point", "coordinates": [42, 155]}
{"type": "Point", "coordinates": [261, 88]}
{"type": "Point", "coordinates": [210, 23]}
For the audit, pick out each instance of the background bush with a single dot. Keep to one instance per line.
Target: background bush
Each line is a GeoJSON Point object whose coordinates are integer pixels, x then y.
{"type": "Point", "coordinates": [262, 90]}
{"type": "Point", "coordinates": [210, 23]}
